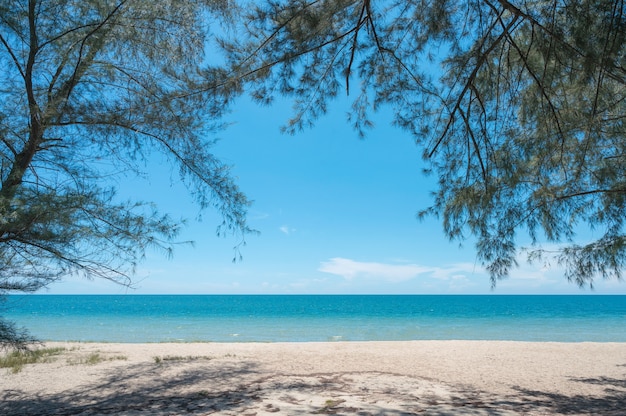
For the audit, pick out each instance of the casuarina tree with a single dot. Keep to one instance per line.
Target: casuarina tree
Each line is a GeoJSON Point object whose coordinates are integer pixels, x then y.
{"type": "Point", "coordinates": [519, 109]}
{"type": "Point", "coordinates": [90, 90]}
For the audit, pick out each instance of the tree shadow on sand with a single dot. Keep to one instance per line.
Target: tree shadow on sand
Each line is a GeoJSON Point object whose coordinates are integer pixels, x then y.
{"type": "Point", "coordinates": [232, 388]}
{"type": "Point", "coordinates": [142, 388]}
{"type": "Point", "coordinates": [240, 388]}
{"type": "Point", "coordinates": [613, 402]}
{"type": "Point", "coordinates": [214, 388]}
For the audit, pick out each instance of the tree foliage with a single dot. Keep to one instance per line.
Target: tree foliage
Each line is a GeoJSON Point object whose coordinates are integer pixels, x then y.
{"type": "Point", "coordinates": [519, 108]}
{"type": "Point", "coordinates": [90, 89]}
{"type": "Point", "coordinates": [14, 338]}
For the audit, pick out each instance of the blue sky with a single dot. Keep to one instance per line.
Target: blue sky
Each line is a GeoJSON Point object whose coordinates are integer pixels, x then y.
{"type": "Point", "coordinates": [336, 215]}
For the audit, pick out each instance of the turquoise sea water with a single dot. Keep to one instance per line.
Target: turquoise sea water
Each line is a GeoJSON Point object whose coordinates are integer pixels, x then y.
{"type": "Point", "coordinates": [297, 318]}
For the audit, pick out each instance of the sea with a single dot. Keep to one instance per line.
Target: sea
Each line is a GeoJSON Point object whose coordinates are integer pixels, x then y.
{"type": "Point", "coordinates": [312, 318]}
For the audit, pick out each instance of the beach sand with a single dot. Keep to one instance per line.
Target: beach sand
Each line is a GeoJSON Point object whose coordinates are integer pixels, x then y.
{"type": "Point", "coordinates": [344, 378]}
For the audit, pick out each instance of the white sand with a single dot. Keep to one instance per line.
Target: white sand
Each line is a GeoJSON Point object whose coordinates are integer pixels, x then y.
{"type": "Point", "coordinates": [348, 378]}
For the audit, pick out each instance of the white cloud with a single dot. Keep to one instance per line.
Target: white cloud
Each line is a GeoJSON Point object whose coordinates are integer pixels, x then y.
{"type": "Point", "coordinates": [350, 269]}
{"type": "Point", "coordinates": [285, 229]}
{"type": "Point", "coordinates": [455, 271]}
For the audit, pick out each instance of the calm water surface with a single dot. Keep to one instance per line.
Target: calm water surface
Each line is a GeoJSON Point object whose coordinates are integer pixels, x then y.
{"type": "Point", "coordinates": [273, 318]}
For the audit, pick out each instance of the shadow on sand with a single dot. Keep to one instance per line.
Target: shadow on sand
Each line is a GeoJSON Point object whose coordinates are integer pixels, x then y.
{"type": "Point", "coordinates": [238, 388]}
{"type": "Point", "coordinates": [613, 402]}
{"type": "Point", "coordinates": [141, 389]}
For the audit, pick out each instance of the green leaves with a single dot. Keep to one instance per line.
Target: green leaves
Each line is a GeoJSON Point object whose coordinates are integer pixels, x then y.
{"type": "Point", "coordinates": [91, 89]}
{"type": "Point", "coordinates": [519, 108]}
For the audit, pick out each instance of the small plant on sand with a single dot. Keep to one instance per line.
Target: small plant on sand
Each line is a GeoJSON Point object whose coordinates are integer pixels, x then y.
{"type": "Point", "coordinates": [166, 358]}
{"type": "Point", "coordinates": [93, 359]}
{"type": "Point", "coordinates": [174, 358]}
{"type": "Point", "coordinates": [203, 394]}
{"type": "Point", "coordinates": [16, 360]}
{"type": "Point", "coordinates": [329, 407]}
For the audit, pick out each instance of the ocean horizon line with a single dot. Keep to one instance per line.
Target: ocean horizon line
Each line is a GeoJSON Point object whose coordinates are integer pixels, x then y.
{"type": "Point", "coordinates": [316, 294]}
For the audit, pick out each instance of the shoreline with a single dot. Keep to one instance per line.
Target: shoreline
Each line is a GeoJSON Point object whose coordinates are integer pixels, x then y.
{"type": "Point", "coordinates": [345, 377]}
{"type": "Point", "coordinates": [336, 341]}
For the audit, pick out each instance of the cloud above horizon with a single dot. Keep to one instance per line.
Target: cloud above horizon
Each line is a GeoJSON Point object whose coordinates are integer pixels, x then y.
{"type": "Point", "coordinates": [351, 269]}
{"type": "Point", "coordinates": [285, 229]}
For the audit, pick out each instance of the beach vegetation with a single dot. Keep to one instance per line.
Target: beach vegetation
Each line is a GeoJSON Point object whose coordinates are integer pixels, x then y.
{"type": "Point", "coordinates": [330, 407]}
{"type": "Point", "coordinates": [13, 338]}
{"type": "Point", "coordinates": [94, 358]}
{"type": "Point", "coordinates": [91, 359]}
{"type": "Point", "coordinates": [90, 92]}
{"type": "Point", "coordinates": [17, 359]}
{"type": "Point", "coordinates": [518, 109]}
{"type": "Point", "coordinates": [174, 358]}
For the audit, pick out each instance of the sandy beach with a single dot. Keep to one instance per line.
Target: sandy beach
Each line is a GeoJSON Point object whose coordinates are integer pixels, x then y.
{"type": "Point", "coordinates": [347, 378]}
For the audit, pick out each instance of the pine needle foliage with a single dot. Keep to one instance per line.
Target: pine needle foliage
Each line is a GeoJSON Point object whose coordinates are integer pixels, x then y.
{"type": "Point", "coordinates": [90, 89]}
{"type": "Point", "coordinates": [519, 109]}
